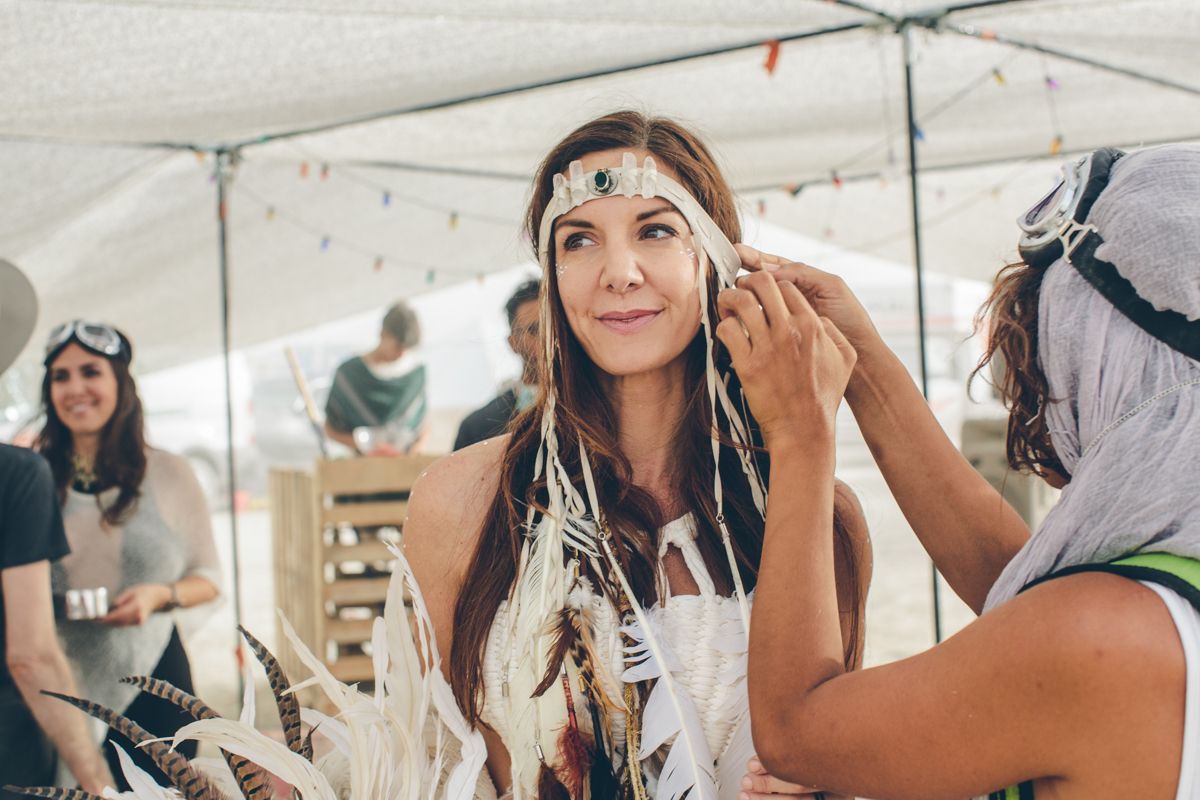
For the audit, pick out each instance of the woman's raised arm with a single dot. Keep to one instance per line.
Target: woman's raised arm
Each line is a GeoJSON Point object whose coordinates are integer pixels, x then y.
{"type": "Point", "coordinates": [964, 524]}
{"type": "Point", "coordinates": [1070, 683]}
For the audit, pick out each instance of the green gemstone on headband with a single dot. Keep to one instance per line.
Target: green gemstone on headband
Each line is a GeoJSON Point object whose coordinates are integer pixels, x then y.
{"type": "Point", "coordinates": [603, 182]}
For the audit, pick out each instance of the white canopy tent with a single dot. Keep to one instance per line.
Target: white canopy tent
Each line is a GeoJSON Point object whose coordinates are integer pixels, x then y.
{"type": "Point", "coordinates": [104, 203]}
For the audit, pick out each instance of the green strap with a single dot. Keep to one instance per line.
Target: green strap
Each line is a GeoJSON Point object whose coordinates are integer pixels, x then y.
{"type": "Point", "coordinates": [1178, 573]}
{"type": "Point", "coordinates": [1187, 569]}
{"type": "Point", "coordinates": [1022, 791]}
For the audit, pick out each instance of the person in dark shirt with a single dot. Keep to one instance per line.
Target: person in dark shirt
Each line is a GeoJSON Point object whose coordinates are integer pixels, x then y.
{"type": "Point", "coordinates": [32, 725]}
{"type": "Point", "coordinates": [492, 419]}
{"type": "Point", "coordinates": [377, 402]}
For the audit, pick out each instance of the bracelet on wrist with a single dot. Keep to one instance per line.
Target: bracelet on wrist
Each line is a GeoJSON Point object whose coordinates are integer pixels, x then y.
{"type": "Point", "coordinates": [174, 602]}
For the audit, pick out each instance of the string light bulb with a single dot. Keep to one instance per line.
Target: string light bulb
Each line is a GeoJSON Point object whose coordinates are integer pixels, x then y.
{"type": "Point", "coordinates": [378, 263]}
{"type": "Point", "coordinates": [387, 199]}
{"type": "Point", "coordinates": [324, 242]}
{"type": "Point", "coordinates": [303, 169]}
{"type": "Point", "coordinates": [270, 213]}
{"type": "Point", "coordinates": [453, 220]}
{"type": "Point", "coordinates": [430, 276]}
{"type": "Point", "coordinates": [324, 171]}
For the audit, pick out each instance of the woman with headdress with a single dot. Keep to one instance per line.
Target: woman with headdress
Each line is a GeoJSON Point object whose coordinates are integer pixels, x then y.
{"type": "Point", "coordinates": [590, 575]}
{"type": "Point", "coordinates": [138, 526]}
{"type": "Point", "coordinates": [1081, 679]}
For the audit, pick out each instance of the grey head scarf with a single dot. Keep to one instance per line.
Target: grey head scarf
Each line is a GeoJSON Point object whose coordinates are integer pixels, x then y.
{"type": "Point", "coordinates": [1125, 420]}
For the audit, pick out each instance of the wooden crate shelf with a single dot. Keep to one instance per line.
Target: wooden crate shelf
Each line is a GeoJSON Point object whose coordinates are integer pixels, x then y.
{"type": "Point", "coordinates": [311, 511]}
{"type": "Point", "coordinates": [368, 552]}
{"type": "Point", "coordinates": [367, 514]}
{"type": "Point", "coordinates": [354, 669]}
{"type": "Point", "coordinates": [357, 591]}
{"type": "Point", "coordinates": [349, 631]}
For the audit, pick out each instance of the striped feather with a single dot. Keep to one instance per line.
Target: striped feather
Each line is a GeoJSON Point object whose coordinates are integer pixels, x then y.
{"type": "Point", "coordinates": [289, 706]}
{"type": "Point", "coordinates": [189, 703]}
{"type": "Point", "coordinates": [53, 792]}
{"type": "Point", "coordinates": [253, 782]}
{"type": "Point", "coordinates": [189, 782]}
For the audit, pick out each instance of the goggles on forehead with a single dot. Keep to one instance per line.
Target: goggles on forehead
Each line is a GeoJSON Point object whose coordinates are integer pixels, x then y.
{"type": "Point", "coordinates": [98, 337]}
{"type": "Point", "coordinates": [646, 181]}
{"type": "Point", "coordinates": [1055, 225]}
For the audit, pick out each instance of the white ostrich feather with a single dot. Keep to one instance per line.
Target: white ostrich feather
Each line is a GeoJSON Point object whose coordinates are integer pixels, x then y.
{"type": "Point", "coordinates": [142, 786]}
{"type": "Point", "coordinates": [267, 753]}
{"type": "Point", "coordinates": [733, 761]}
{"type": "Point", "coordinates": [219, 774]}
{"type": "Point", "coordinates": [332, 729]}
{"type": "Point", "coordinates": [391, 746]}
{"type": "Point", "coordinates": [534, 721]}
{"type": "Point", "coordinates": [670, 712]}
{"type": "Point", "coordinates": [248, 710]}
{"type": "Point", "coordinates": [460, 784]}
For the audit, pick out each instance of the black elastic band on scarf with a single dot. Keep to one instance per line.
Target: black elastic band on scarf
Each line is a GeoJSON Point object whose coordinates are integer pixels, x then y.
{"type": "Point", "coordinates": [1169, 327]}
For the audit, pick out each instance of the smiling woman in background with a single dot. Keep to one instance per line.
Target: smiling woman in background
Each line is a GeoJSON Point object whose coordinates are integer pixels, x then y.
{"type": "Point", "coordinates": [137, 524]}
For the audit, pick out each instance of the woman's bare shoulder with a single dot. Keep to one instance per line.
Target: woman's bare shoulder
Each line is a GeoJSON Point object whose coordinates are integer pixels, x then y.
{"type": "Point", "coordinates": [450, 501]}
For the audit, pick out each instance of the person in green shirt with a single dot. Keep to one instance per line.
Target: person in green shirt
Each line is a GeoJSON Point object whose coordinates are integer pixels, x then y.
{"type": "Point", "coordinates": [377, 402]}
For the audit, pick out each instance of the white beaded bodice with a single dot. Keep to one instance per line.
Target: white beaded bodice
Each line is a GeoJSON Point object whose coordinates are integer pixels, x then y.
{"type": "Point", "coordinates": [704, 632]}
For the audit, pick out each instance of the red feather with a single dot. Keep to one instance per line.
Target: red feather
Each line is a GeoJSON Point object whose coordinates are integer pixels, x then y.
{"type": "Point", "coordinates": [575, 755]}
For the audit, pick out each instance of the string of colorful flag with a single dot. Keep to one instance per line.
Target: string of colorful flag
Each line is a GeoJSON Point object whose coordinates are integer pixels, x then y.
{"type": "Point", "coordinates": [327, 240]}
{"type": "Point", "coordinates": [835, 175]}
{"type": "Point", "coordinates": [388, 194]}
{"type": "Point", "coordinates": [992, 191]}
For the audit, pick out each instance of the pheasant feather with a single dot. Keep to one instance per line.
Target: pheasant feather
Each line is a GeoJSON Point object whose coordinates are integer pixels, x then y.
{"type": "Point", "coordinates": [189, 782]}
{"type": "Point", "coordinates": [251, 780]}
{"type": "Point", "coordinates": [288, 705]}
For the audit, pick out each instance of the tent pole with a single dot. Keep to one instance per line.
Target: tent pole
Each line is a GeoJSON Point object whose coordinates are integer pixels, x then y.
{"type": "Point", "coordinates": [226, 161]}
{"type": "Point", "coordinates": [906, 31]}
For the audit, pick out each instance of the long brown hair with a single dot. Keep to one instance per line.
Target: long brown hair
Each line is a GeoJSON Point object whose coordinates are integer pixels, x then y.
{"type": "Point", "coordinates": [584, 412]}
{"type": "Point", "coordinates": [1011, 316]}
{"type": "Point", "coordinates": [121, 456]}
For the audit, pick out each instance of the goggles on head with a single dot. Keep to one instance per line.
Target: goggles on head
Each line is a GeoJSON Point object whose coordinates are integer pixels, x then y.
{"type": "Point", "coordinates": [99, 338]}
{"type": "Point", "coordinates": [1056, 224]}
{"type": "Point", "coordinates": [1056, 227]}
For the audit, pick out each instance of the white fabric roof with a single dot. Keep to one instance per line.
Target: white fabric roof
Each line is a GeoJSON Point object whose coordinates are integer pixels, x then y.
{"type": "Point", "coordinates": [110, 223]}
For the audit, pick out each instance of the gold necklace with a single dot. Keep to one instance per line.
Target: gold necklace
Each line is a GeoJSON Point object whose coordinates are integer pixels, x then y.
{"type": "Point", "coordinates": [83, 472]}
